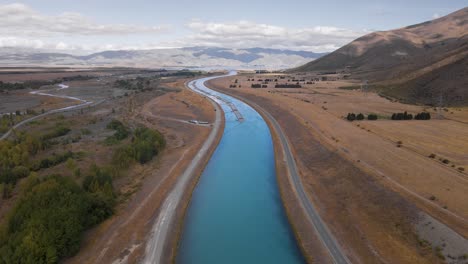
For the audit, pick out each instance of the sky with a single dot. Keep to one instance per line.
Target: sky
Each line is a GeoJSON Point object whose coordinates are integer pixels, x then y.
{"type": "Point", "coordinates": [86, 26]}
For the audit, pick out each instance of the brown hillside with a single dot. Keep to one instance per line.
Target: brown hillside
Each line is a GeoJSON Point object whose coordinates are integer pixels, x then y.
{"type": "Point", "coordinates": [417, 61]}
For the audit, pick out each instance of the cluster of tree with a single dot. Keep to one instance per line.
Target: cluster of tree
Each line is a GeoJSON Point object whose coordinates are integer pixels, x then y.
{"type": "Point", "coordinates": [256, 85]}
{"type": "Point", "coordinates": [121, 132]}
{"type": "Point", "coordinates": [14, 160]}
{"type": "Point", "coordinates": [7, 121]}
{"type": "Point", "coordinates": [11, 86]}
{"type": "Point", "coordinates": [372, 117]}
{"type": "Point", "coordinates": [402, 116]}
{"type": "Point", "coordinates": [138, 84]}
{"type": "Point", "coordinates": [285, 85]}
{"type": "Point", "coordinates": [360, 116]}
{"type": "Point", "coordinates": [99, 185]}
{"type": "Point", "coordinates": [182, 73]}
{"type": "Point", "coordinates": [27, 84]}
{"type": "Point", "coordinates": [423, 116]}
{"type": "Point", "coordinates": [15, 157]}
{"type": "Point", "coordinates": [146, 144]}
{"type": "Point", "coordinates": [406, 116]}
{"type": "Point", "coordinates": [47, 223]}
{"type": "Point", "coordinates": [76, 78]}
{"type": "Point", "coordinates": [36, 84]}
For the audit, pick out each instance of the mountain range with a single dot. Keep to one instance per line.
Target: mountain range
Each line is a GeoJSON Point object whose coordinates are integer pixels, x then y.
{"type": "Point", "coordinates": [423, 63]}
{"type": "Point", "coordinates": [205, 57]}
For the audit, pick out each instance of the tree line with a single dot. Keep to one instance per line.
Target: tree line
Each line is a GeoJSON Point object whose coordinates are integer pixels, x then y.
{"type": "Point", "coordinates": [360, 116]}
{"type": "Point", "coordinates": [406, 116]}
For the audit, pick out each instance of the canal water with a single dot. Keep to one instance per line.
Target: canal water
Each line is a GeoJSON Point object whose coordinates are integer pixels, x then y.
{"type": "Point", "coordinates": [236, 214]}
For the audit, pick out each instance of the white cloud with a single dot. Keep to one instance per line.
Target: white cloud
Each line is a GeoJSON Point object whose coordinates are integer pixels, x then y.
{"type": "Point", "coordinates": [249, 34]}
{"type": "Point", "coordinates": [435, 16]}
{"type": "Point", "coordinates": [23, 27]}
{"type": "Point", "coordinates": [20, 19]}
{"type": "Point", "coordinates": [21, 42]}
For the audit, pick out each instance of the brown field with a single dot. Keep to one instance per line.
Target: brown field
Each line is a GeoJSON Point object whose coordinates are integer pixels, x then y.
{"type": "Point", "coordinates": [370, 191]}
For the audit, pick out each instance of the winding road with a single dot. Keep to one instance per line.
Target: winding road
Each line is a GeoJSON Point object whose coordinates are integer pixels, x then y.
{"type": "Point", "coordinates": [64, 109]}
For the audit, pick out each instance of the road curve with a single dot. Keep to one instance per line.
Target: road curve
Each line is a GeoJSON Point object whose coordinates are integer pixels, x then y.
{"type": "Point", "coordinates": [64, 109]}
{"type": "Point", "coordinates": [159, 232]}
{"type": "Point", "coordinates": [327, 239]}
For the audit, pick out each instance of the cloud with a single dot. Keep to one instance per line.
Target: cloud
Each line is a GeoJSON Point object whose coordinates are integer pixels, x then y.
{"type": "Point", "coordinates": [435, 16]}
{"type": "Point", "coordinates": [23, 27]}
{"type": "Point", "coordinates": [20, 19]}
{"type": "Point", "coordinates": [244, 34]}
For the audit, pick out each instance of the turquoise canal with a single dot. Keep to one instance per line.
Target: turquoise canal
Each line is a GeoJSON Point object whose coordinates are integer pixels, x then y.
{"type": "Point", "coordinates": [236, 214]}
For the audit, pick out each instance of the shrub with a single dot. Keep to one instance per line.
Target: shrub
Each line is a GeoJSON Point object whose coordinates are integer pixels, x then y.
{"type": "Point", "coordinates": [57, 132]}
{"type": "Point", "coordinates": [372, 117]}
{"type": "Point", "coordinates": [423, 116]}
{"type": "Point", "coordinates": [146, 143]}
{"type": "Point", "coordinates": [360, 116]}
{"type": "Point", "coordinates": [351, 117]}
{"type": "Point", "coordinates": [121, 132]}
{"type": "Point", "coordinates": [445, 161]}
{"type": "Point", "coordinates": [432, 156]}
{"type": "Point", "coordinates": [402, 116]}
{"type": "Point", "coordinates": [297, 85]}
{"type": "Point", "coordinates": [52, 161]}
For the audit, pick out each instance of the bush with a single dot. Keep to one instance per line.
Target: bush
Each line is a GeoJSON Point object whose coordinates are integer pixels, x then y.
{"type": "Point", "coordinates": [121, 132]}
{"type": "Point", "coordinates": [351, 117]}
{"type": "Point", "coordinates": [52, 161]}
{"type": "Point", "coordinates": [372, 117]}
{"type": "Point", "coordinates": [99, 181]}
{"type": "Point", "coordinates": [57, 132]}
{"type": "Point", "coordinates": [402, 116]}
{"type": "Point", "coordinates": [146, 143]}
{"type": "Point", "coordinates": [297, 85]}
{"type": "Point", "coordinates": [423, 116]}
{"type": "Point", "coordinates": [360, 117]}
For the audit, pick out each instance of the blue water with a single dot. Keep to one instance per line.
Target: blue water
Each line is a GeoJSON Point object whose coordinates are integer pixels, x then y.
{"type": "Point", "coordinates": [236, 214]}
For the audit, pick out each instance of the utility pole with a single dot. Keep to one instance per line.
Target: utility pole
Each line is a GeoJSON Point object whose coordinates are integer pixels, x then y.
{"type": "Point", "coordinates": [439, 108]}
{"type": "Point", "coordinates": [364, 86]}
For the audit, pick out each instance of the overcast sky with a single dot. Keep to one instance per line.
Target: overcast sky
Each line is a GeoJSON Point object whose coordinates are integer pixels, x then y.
{"type": "Point", "coordinates": [84, 26]}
